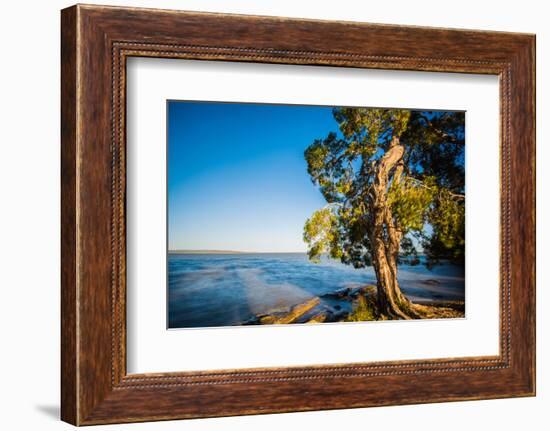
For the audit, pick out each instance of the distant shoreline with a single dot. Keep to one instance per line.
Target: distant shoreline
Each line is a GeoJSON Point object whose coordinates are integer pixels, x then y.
{"type": "Point", "coordinates": [242, 252]}
{"type": "Point", "coordinates": [231, 252]}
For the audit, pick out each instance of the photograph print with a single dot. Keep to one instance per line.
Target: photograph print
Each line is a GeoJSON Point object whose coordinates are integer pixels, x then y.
{"type": "Point", "coordinates": [296, 214]}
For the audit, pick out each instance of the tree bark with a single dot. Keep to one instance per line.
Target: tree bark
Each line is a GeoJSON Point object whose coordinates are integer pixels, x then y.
{"type": "Point", "coordinates": [385, 238]}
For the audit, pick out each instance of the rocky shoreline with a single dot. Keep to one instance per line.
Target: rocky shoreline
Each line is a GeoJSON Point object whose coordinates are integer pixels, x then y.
{"type": "Point", "coordinates": [339, 306]}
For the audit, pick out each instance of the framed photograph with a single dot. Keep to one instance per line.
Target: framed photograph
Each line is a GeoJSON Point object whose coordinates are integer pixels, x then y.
{"type": "Point", "coordinates": [259, 208]}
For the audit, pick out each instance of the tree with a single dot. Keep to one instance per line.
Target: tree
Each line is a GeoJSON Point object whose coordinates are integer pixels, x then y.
{"type": "Point", "coordinates": [393, 181]}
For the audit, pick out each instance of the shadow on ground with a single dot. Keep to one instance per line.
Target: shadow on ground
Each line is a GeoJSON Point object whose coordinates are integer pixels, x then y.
{"type": "Point", "coordinates": [49, 410]}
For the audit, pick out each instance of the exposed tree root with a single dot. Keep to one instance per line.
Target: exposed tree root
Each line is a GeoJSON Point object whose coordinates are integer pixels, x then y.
{"type": "Point", "coordinates": [429, 310]}
{"type": "Point", "coordinates": [404, 309]}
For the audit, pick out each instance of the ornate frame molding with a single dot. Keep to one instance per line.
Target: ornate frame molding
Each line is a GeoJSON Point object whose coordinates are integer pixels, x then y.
{"type": "Point", "coordinates": [96, 41]}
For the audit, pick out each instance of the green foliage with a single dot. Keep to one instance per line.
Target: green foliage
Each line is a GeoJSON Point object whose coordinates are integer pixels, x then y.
{"type": "Point", "coordinates": [409, 203]}
{"type": "Point", "coordinates": [321, 234]}
{"type": "Point", "coordinates": [425, 187]}
{"type": "Point", "coordinates": [325, 168]}
{"type": "Point", "coordinates": [447, 220]}
{"type": "Point", "coordinates": [364, 309]}
{"type": "Point", "coordinates": [435, 148]}
{"type": "Point", "coordinates": [367, 127]}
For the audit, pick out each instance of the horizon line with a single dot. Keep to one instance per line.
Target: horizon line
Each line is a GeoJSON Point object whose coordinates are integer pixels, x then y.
{"type": "Point", "coordinates": [212, 251]}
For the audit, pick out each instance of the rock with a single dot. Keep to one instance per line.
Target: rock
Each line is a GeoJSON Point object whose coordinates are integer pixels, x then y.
{"type": "Point", "coordinates": [340, 293]}
{"type": "Point", "coordinates": [362, 290]}
{"type": "Point", "coordinates": [430, 282]}
{"type": "Point", "coordinates": [267, 319]}
{"type": "Point", "coordinates": [307, 312]}
{"type": "Point", "coordinates": [339, 316]}
{"type": "Point", "coordinates": [442, 309]}
{"type": "Point", "coordinates": [318, 318]}
{"type": "Point", "coordinates": [292, 315]}
{"type": "Point", "coordinates": [350, 292]}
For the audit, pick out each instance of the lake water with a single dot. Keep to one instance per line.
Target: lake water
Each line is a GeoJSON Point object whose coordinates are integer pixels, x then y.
{"type": "Point", "coordinates": [228, 289]}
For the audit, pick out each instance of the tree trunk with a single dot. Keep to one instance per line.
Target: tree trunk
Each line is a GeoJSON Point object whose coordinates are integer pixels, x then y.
{"type": "Point", "coordinates": [385, 239]}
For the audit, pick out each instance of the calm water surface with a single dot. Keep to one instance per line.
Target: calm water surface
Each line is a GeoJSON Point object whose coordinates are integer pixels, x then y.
{"type": "Point", "coordinates": [227, 289]}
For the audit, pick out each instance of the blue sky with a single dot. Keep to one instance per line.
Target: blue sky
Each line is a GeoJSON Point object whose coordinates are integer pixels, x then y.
{"type": "Point", "coordinates": [237, 178]}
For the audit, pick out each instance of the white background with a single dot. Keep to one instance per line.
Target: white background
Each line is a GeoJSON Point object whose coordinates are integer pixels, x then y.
{"type": "Point", "coordinates": [151, 348]}
{"type": "Point", "coordinates": [29, 220]}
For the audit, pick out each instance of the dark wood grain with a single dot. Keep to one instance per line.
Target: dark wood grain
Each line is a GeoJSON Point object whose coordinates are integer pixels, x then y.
{"type": "Point", "coordinates": [96, 41]}
{"type": "Point", "coordinates": [69, 398]}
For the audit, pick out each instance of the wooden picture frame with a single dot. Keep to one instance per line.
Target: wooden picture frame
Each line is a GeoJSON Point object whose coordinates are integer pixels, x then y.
{"type": "Point", "coordinates": [95, 43]}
